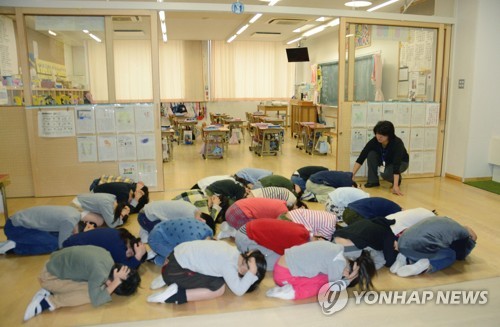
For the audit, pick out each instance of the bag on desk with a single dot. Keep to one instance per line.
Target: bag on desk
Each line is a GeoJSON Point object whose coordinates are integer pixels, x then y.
{"type": "Point", "coordinates": [322, 146]}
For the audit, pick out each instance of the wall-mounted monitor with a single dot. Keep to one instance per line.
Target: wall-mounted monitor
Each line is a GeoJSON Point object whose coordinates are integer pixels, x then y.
{"type": "Point", "coordinates": [297, 54]}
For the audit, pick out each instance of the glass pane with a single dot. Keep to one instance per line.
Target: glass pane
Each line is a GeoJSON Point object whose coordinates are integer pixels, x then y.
{"type": "Point", "coordinates": [11, 88]}
{"type": "Point", "coordinates": [132, 56]}
{"type": "Point", "coordinates": [67, 59]}
{"type": "Point", "coordinates": [394, 63]}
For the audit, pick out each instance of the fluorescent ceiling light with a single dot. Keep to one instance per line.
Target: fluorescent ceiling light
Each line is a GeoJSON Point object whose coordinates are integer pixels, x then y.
{"type": "Point", "coordinates": [95, 37]}
{"type": "Point", "coordinates": [273, 2]}
{"type": "Point", "coordinates": [334, 22]}
{"type": "Point", "coordinates": [358, 4]}
{"type": "Point", "coordinates": [85, 31]}
{"type": "Point", "coordinates": [242, 29]}
{"type": "Point", "coordinates": [382, 5]}
{"type": "Point", "coordinates": [52, 33]}
{"type": "Point", "coordinates": [164, 36]}
{"type": "Point", "coordinates": [163, 28]}
{"type": "Point", "coordinates": [314, 30]}
{"type": "Point", "coordinates": [231, 38]}
{"type": "Point", "coordinates": [321, 19]}
{"type": "Point", "coordinates": [294, 40]}
{"type": "Point", "coordinates": [161, 13]}
{"type": "Point", "coordinates": [254, 18]}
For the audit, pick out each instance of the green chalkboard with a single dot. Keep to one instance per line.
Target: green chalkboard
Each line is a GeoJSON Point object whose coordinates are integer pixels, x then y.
{"type": "Point", "coordinates": [330, 84]}
{"type": "Point", "coordinates": [364, 88]}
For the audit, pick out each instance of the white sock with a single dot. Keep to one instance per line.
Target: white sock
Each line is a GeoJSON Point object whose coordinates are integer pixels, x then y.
{"type": "Point", "coordinates": [400, 262]}
{"type": "Point", "coordinates": [162, 296]}
{"type": "Point", "coordinates": [285, 292]}
{"type": "Point", "coordinates": [157, 283]}
{"type": "Point", "coordinates": [417, 268]}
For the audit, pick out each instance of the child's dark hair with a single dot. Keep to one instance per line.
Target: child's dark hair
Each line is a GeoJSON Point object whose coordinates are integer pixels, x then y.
{"type": "Point", "coordinates": [386, 128]}
{"type": "Point", "coordinates": [143, 200]}
{"type": "Point", "coordinates": [260, 261]}
{"type": "Point", "coordinates": [242, 181]}
{"type": "Point", "coordinates": [224, 204]}
{"type": "Point", "coordinates": [128, 286]}
{"type": "Point", "coordinates": [118, 212]}
{"type": "Point", "coordinates": [82, 224]}
{"type": "Point", "coordinates": [367, 271]}
{"type": "Point", "coordinates": [130, 240]}
{"type": "Point", "coordinates": [301, 204]}
{"type": "Point", "coordinates": [208, 220]}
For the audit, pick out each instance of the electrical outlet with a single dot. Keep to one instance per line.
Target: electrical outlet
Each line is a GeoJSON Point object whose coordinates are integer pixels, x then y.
{"type": "Point", "coordinates": [461, 83]}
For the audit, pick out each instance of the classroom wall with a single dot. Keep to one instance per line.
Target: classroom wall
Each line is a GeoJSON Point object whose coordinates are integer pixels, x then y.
{"type": "Point", "coordinates": [474, 114]}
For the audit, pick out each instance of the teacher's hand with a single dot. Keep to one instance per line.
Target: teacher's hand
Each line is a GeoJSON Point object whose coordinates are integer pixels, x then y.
{"type": "Point", "coordinates": [396, 190]}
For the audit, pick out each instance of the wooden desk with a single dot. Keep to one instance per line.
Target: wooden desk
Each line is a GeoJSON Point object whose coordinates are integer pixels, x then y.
{"type": "Point", "coordinates": [276, 109]}
{"type": "Point", "coordinates": [273, 121]}
{"type": "Point", "coordinates": [167, 142]}
{"type": "Point", "coordinates": [310, 135]}
{"type": "Point", "coordinates": [4, 180]}
{"type": "Point", "coordinates": [182, 125]}
{"type": "Point", "coordinates": [217, 118]}
{"type": "Point", "coordinates": [302, 111]}
{"type": "Point", "coordinates": [267, 139]}
{"type": "Point", "coordinates": [215, 141]}
{"type": "Point", "coordinates": [234, 123]}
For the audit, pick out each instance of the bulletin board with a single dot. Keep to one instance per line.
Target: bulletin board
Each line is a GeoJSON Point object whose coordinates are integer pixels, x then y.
{"type": "Point", "coordinates": [416, 65]}
{"type": "Point", "coordinates": [416, 124]}
{"type": "Point", "coordinates": [64, 146]}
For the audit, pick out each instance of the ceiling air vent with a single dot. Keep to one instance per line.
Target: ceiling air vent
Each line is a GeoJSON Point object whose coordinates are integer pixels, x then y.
{"type": "Point", "coordinates": [129, 33]}
{"type": "Point", "coordinates": [265, 34]}
{"type": "Point", "coordinates": [286, 21]}
{"type": "Point", "coordinates": [126, 19]}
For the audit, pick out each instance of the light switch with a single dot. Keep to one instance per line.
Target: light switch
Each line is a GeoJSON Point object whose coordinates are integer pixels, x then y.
{"type": "Point", "coordinates": [461, 83]}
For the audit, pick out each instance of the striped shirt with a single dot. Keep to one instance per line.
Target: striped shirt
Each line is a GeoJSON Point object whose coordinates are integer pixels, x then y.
{"type": "Point", "coordinates": [317, 222]}
{"type": "Point", "coordinates": [275, 192]}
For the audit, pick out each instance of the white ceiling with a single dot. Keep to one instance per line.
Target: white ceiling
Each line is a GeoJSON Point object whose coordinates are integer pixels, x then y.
{"type": "Point", "coordinates": [213, 19]}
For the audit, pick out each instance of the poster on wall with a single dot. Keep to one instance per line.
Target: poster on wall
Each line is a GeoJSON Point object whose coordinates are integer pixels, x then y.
{"type": "Point", "coordinates": [432, 114]}
{"type": "Point", "coordinates": [8, 48]}
{"type": "Point", "coordinates": [105, 119]}
{"type": "Point", "coordinates": [145, 146]}
{"type": "Point", "coordinates": [125, 121]}
{"type": "Point", "coordinates": [85, 120]}
{"type": "Point", "coordinates": [106, 147]}
{"type": "Point", "coordinates": [144, 118]}
{"type": "Point", "coordinates": [87, 148]}
{"type": "Point", "coordinates": [146, 172]}
{"type": "Point", "coordinates": [128, 169]}
{"type": "Point", "coordinates": [358, 115]}
{"type": "Point", "coordinates": [125, 145]}
{"type": "Point", "coordinates": [56, 123]}
{"type": "Point", "coordinates": [373, 114]}
{"type": "Point", "coordinates": [358, 139]}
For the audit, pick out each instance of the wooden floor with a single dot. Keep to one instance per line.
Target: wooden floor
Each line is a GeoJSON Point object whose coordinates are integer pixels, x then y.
{"type": "Point", "coordinates": [466, 204]}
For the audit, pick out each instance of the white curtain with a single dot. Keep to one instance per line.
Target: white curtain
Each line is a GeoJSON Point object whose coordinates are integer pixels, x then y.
{"type": "Point", "coordinates": [98, 78]}
{"type": "Point", "coordinates": [133, 76]}
{"type": "Point", "coordinates": [172, 70]}
{"type": "Point", "coordinates": [250, 70]}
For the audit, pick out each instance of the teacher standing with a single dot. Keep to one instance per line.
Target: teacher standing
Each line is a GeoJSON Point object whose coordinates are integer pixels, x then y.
{"type": "Point", "coordinates": [385, 152]}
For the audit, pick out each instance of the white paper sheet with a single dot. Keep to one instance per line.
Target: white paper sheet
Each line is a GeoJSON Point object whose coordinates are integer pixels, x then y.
{"type": "Point", "coordinates": [144, 118]}
{"type": "Point", "coordinates": [85, 120]}
{"type": "Point", "coordinates": [56, 123]}
{"type": "Point", "coordinates": [145, 146]}
{"type": "Point", "coordinates": [106, 147]}
{"type": "Point", "coordinates": [87, 148]}
{"type": "Point", "coordinates": [125, 119]}
{"type": "Point", "coordinates": [126, 148]}
{"type": "Point", "coordinates": [105, 119]}
{"type": "Point", "coordinates": [358, 139]}
{"type": "Point", "coordinates": [358, 115]}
